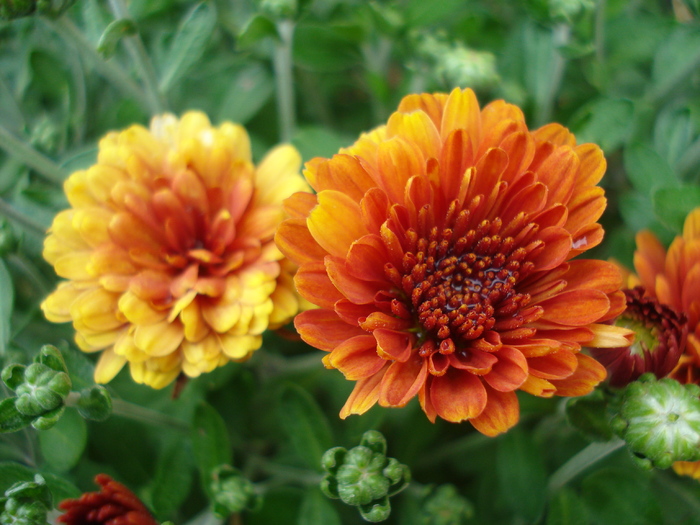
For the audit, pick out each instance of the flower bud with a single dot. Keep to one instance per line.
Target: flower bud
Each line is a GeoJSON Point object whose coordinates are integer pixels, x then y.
{"type": "Point", "coordinates": [232, 492]}
{"type": "Point", "coordinates": [660, 421]}
{"type": "Point", "coordinates": [26, 503]}
{"type": "Point", "coordinates": [444, 506]}
{"type": "Point", "coordinates": [43, 390]}
{"type": "Point", "coordinates": [95, 403]}
{"type": "Point", "coordinates": [364, 477]}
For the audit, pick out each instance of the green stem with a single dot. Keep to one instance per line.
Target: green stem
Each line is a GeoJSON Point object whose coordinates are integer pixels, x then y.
{"type": "Point", "coordinates": [275, 365]}
{"type": "Point", "coordinates": [31, 157]}
{"type": "Point", "coordinates": [280, 474]}
{"type": "Point", "coordinates": [453, 449]}
{"type": "Point", "coordinates": [137, 51]}
{"type": "Point", "coordinates": [14, 214]}
{"type": "Point", "coordinates": [581, 461]}
{"type": "Point", "coordinates": [146, 415]}
{"type": "Point", "coordinates": [108, 69]}
{"type": "Point", "coordinates": [28, 268]}
{"type": "Point", "coordinates": [285, 79]}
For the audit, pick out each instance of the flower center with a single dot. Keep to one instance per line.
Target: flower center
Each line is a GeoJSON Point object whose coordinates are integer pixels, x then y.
{"type": "Point", "coordinates": [458, 285]}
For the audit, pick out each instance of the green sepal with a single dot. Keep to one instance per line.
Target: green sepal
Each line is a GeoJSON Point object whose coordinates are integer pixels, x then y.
{"type": "Point", "coordinates": [51, 356]}
{"type": "Point", "coordinates": [13, 375]}
{"type": "Point", "coordinates": [374, 441]}
{"type": "Point", "coordinates": [11, 419]}
{"type": "Point", "coordinates": [111, 36]}
{"type": "Point", "coordinates": [329, 487]}
{"type": "Point", "coordinates": [95, 403]}
{"type": "Point", "coordinates": [231, 492]}
{"type": "Point", "coordinates": [36, 490]}
{"type": "Point", "coordinates": [398, 474]}
{"type": "Point", "coordinates": [332, 459]}
{"type": "Point", "coordinates": [376, 511]}
{"type": "Point", "coordinates": [49, 419]}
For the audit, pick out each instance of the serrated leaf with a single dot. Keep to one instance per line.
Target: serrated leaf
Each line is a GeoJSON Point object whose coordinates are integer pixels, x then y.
{"type": "Point", "coordinates": [605, 122]}
{"type": "Point", "coordinates": [646, 169]}
{"type": "Point", "coordinates": [255, 30]}
{"type": "Point", "coordinates": [566, 508]}
{"type": "Point", "coordinates": [305, 425]}
{"type": "Point", "coordinates": [672, 205]}
{"type": "Point", "coordinates": [210, 441]}
{"type": "Point", "coordinates": [251, 88]}
{"type": "Point", "coordinates": [521, 474]}
{"type": "Point", "coordinates": [189, 43]}
{"type": "Point", "coordinates": [7, 298]}
{"type": "Point", "coordinates": [11, 420]}
{"type": "Point", "coordinates": [619, 496]}
{"type": "Point", "coordinates": [677, 57]}
{"type": "Point", "coordinates": [63, 444]}
{"type": "Point", "coordinates": [316, 509]}
{"type": "Point", "coordinates": [172, 480]}
{"type": "Point", "coordinates": [113, 34]}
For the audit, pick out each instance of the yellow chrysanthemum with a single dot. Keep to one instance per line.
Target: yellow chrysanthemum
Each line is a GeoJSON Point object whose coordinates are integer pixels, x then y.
{"type": "Point", "coordinates": [168, 249]}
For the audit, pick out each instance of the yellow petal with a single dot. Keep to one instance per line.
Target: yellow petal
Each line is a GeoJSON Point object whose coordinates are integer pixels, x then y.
{"type": "Point", "coordinates": [239, 348]}
{"type": "Point", "coordinates": [108, 366]}
{"type": "Point", "coordinates": [96, 310]}
{"type": "Point", "coordinates": [159, 339]}
{"type": "Point", "coordinates": [277, 176]}
{"type": "Point", "coordinates": [138, 311]}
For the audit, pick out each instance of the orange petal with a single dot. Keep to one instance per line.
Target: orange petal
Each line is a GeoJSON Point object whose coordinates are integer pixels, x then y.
{"type": "Point", "coordinates": [398, 162]}
{"type": "Point", "coordinates": [356, 290]}
{"type": "Point", "coordinates": [575, 307]}
{"type": "Point", "coordinates": [402, 381]}
{"type": "Point", "coordinates": [475, 361]}
{"type": "Point", "coordinates": [691, 226]}
{"type": "Point", "coordinates": [458, 395]}
{"type": "Point", "coordinates": [592, 166]}
{"type": "Point", "coordinates": [502, 412]}
{"type": "Point", "coordinates": [595, 274]}
{"type": "Point", "coordinates": [363, 396]}
{"type": "Point", "coordinates": [556, 365]}
{"type": "Point", "coordinates": [509, 372]}
{"type": "Point", "coordinates": [462, 112]}
{"type": "Point", "coordinates": [557, 244]}
{"type": "Point", "coordinates": [393, 345]}
{"type": "Point", "coordinates": [335, 223]}
{"type": "Point", "coordinates": [417, 128]}
{"type": "Point", "coordinates": [343, 173]}
{"type": "Point", "coordinates": [313, 284]}
{"type": "Point", "coordinates": [587, 375]}
{"type": "Point", "coordinates": [323, 328]}
{"type": "Point", "coordinates": [556, 134]}
{"type": "Point", "coordinates": [296, 242]}
{"type": "Point", "coordinates": [356, 358]}
{"type": "Point", "coordinates": [649, 259]}
{"type": "Point", "coordinates": [537, 386]}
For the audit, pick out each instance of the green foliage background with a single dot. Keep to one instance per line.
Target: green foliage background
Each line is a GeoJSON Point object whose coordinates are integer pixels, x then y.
{"type": "Point", "coordinates": [623, 74]}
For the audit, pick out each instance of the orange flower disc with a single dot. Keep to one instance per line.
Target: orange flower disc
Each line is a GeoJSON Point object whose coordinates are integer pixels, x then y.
{"type": "Point", "coordinates": [438, 248]}
{"type": "Point", "coordinates": [168, 249]}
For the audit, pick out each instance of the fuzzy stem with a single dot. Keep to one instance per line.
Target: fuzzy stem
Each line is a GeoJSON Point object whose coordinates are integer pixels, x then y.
{"type": "Point", "coordinates": [137, 51]}
{"type": "Point", "coordinates": [285, 79]}
{"type": "Point", "coordinates": [581, 461]}
{"type": "Point", "coordinates": [107, 68]}
{"type": "Point", "coordinates": [31, 157]}
{"type": "Point", "coordinates": [24, 220]}
{"type": "Point", "coordinates": [146, 415]}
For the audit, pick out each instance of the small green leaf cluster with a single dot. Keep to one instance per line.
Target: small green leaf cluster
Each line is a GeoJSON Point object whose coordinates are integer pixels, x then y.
{"type": "Point", "coordinates": [443, 505]}
{"type": "Point", "coordinates": [41, 388]}
{"type": "Point", "coordinates": [660, 421]}
{"type": "Point", "coordinates": [26, 503]}
{"type": "Point", "coordinates": [364, 477]}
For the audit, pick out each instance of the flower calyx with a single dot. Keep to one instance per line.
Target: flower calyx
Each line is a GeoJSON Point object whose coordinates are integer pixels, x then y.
{"type": "Point", "coordinates": [231, 492]}
{"type": "Point", "coordinates": [42, 389]}
{"type": "Point", "coordinates": [26, 503]}
{"type": "Point", "coordinates": [659, 419]}
{"type": "Point", "coordinates": [364, 476]}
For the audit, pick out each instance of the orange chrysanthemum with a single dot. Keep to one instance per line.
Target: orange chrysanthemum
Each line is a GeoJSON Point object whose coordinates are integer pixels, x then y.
{"type": "Point", "coordinates": [673, 278]}
{"type": "Point", "coordinates": [168, 249]}
{"type": "Point", "coordinates": [439, 248]}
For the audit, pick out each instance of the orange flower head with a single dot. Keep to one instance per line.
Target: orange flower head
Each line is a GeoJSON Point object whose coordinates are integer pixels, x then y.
{"type": "Point", "coordinates": [168, 249]}
{"type": "Point", "coordinates": [114, 504]}
{"type": "Point", "coordinates": [438, 248]}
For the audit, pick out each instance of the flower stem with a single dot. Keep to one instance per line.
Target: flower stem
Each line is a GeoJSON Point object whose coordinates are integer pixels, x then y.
{"type": "Point", "coordinates": [14, 214]}
{"type": "Point", "coordinates": [107, 68]}
{"type": "Point", "coordinates": [31, 157]}
{"type": "Point", "coordinates": [146, 415]}
{"type": "Point", "coordinates": [581, 461]}
{"type": "Point", "coordinates": [137, 51]}
{"type": "Point", "coordinates": [285, 80]}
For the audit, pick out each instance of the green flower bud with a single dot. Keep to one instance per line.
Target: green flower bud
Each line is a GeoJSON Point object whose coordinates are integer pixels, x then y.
{"type": "Point", "coordinates": [364, 477]}
{"type": "Point", "coordinates": [95, 403]}
{"type": "Point", "coordinates": [13, 375]}
{"type": "Point", "coordinates": [444, 506]}
{"type": "Point", "coordinates": [660, 421]}
{"type": "Point", "coordinates": [48, 419]}
{"type": "Point", "coordinates": [26, 503]}
{"type": "Point", "coordinates": [43, 390]}
{"type": "Point", "coordinates": [231, 492]}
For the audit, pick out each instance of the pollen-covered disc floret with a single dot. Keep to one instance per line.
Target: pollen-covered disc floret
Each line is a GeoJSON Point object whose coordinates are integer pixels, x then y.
{"type": "Point", "coordinates": [168, 249]}
{"type": "Point", "coordinates": [439, 250]}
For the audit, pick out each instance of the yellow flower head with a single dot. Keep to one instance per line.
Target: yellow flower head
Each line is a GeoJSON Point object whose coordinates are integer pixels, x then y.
{"type": "Point", "coordinates": [168, 249]}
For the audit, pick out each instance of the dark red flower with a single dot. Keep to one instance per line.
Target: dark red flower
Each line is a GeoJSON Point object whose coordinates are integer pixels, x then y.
{"type": "Point", "coordinates": [113, 505]}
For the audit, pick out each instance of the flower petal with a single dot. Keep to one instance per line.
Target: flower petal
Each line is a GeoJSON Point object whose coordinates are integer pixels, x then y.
{"type": "Point", "coordinates": [458, 395]}
{"type": "Point", "coordinates": [502, 412]}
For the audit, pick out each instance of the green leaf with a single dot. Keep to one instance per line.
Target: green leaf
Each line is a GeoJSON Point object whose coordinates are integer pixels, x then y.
{"type": "Point", "coordinates": [189, 43]}
{"type": "Point", "coordinates": [588, 415]}
{"type": "Point", "coordinates": [172, 480]}
{"type": "Point", "coordinates": [305, 425]}
{"type": "Point", "coordinates": [324, 48]}
{"type": "Point", "coordinates": [605, 122]}
{"type": "Point", "coordinates": [566, 508]}
{"type": "Point", "coordinates": [113, 34]}
{"type": "Point", "coordinates": [62, 445]}
{"type": "Point", "coordinates": [61, 488]}
{"type": "Point", "coordinates": [11, 473]}
{"type": "Point", "coordinates": [317, 141]}
{"type": "Point", "coordinates": [251, 88]}
{"type": "Point", "coordinates": [672, 205]}
{"type": "Point", "coordinates": [621, 496]}
{"type": "Point", "coordinates": [674, 132]}
{"type": "Point", "coordinates": [316, 509]}
{"type": "Point", "coordinates": [256, 29]}
{"type": "Point", "coordinates": [676, 58]}
{"type": "Point", "coordinates": [521, 474]}
{"type": "Point", "coordinates": [210, 441]}
{"type": "Point", "coordinates": [646, 169]}
{"type": "Point", "coordinates": [7, 298]}
{"type": "Point", "coordinates": [11, 420]}
{"type": "Point", "coordinates": [420, 13]}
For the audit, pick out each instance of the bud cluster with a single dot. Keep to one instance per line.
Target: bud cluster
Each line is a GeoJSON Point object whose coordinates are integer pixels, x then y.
{"type": "Point", "coordinates": [364, 477]}
{"type": "Point", "coordinates": [232, 492]}
{"type": "Point", "coordinates": [26, 503]}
